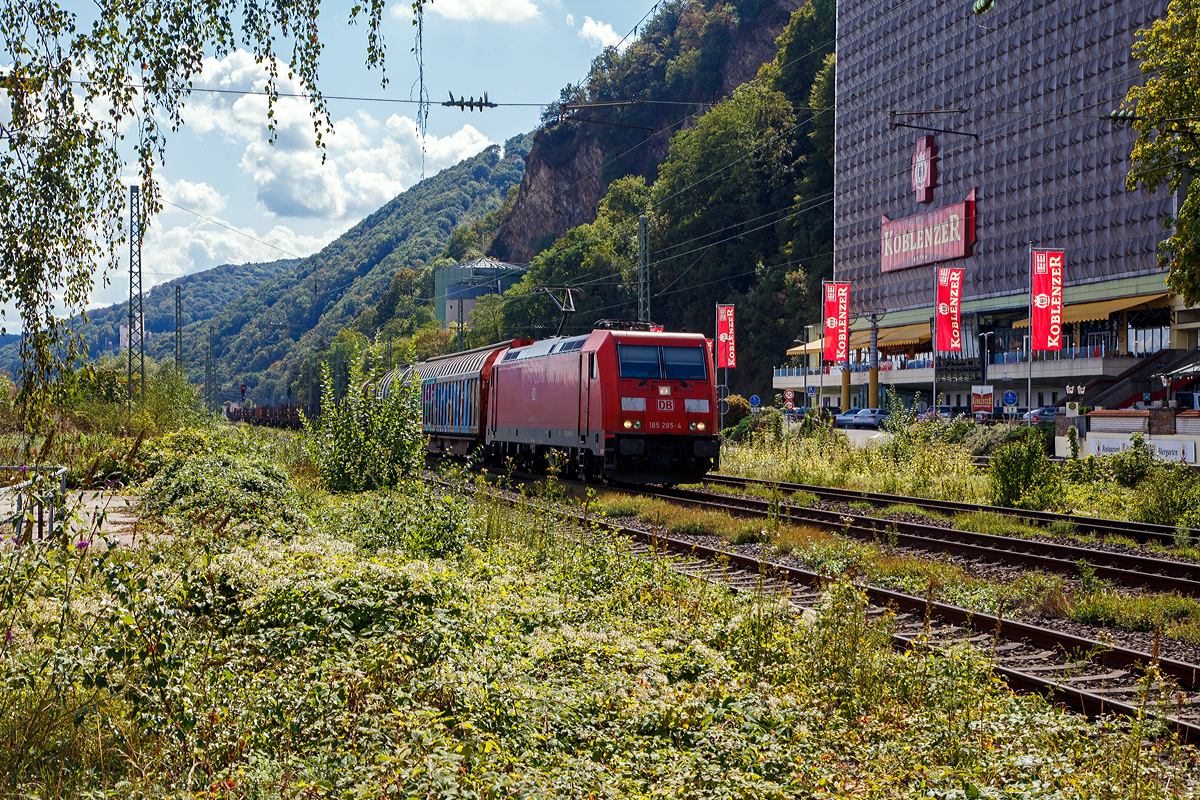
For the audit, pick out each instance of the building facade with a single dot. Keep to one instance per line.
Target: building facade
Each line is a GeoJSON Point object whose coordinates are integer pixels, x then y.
{"type": "Point", "coordinates": [455, 288]}
{"type": "Point", "coordinates": [964, 140]}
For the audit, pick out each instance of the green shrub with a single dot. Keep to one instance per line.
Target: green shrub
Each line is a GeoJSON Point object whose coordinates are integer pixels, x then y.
{"type": "Point", "coordinates": [1166, 495]}
{"type": "Point", "coordinates": [1131, 466]}
{"type": "Point", "coordinates": [1022, 476]}
{"type": "Point", "coordinates": [739, 409]}
{"type": "Point", "coordinates": [246, 488]}
{"type": "Point", "coordinates": [99, 400]}
{"type": "Point", "coordinates": [169, 452]}
{"type": "Point", "coordinates": [417, 519]}
{"type": "Point", "coordinates": [986, 439]}
{"type": "Point", "coordinates": [368, 439]}
{"type": "Point", "coordinates": [767, 423]}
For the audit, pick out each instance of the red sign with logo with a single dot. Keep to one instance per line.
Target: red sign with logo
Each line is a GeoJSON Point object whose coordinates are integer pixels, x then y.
{"type": "Point", "coordinates": [726, 353]}
{"type": "Point", "coordinates": [949, 321]}
{"type": "Point", "coordinates": [938, 235]}
{"type": "Point", "coordinates": [924, 169]}
{"type": "Point", "coordinates": [837, 321]}
{"type": "Point", "coordinates": [1046, 299]}
{"type": "Point", "coordinates": [981, 399]}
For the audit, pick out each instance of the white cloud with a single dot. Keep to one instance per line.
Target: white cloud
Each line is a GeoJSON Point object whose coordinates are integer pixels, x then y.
{"type": "Point", "coordinates": [571, 20]}
{"type": "Point", "coordinates": [598, 34]}
{"type": "Point", "coordinates": [198, 197]}
{"type": "Point", "coordinates": [367, 162]}
{"type": "Point", "coordinates": [495, 10]}
{"type": "Point", "coordinates": [177, 250]}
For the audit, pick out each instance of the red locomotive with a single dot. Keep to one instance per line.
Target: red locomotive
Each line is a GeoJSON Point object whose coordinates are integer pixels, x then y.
{"type": "Point", "coordinates": [635, 407]}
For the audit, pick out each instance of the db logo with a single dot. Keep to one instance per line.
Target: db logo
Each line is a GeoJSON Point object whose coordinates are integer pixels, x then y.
{"type": "Point", "coordinates": [943, 308]}
{"type": "Point", "coordinates": [666, 405]}
{"type": "Point", "coordinates": [1042, 300]}
{"type": "Point", "coordinates": [724, 337]}
{"type": "Point", "coordinates": [832, 322]}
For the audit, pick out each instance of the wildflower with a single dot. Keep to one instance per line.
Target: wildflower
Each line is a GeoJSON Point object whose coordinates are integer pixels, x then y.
{"type": "Point", "coordinates": [8, 637]}
{"type": "Point", "coordinates": [81, 546]}
{"type": "Point", "coordinates": [24, 468]}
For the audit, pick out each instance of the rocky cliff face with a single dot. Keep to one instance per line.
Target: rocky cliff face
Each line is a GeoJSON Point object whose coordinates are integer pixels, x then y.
{"type": "Point", "coordinates": [560, 194]}
{"type": "Point", "coordinates": [566, 172]}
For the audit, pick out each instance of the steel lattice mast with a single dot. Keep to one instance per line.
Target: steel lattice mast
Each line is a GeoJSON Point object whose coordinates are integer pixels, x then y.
{"type": "Point", "coordinates": [137, 341]}
{"type": "Point", "coordinates": [178, 328]}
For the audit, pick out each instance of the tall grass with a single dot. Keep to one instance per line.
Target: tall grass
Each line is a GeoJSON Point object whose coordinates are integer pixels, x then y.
{"type": "Point", "coordinates": [917, 463]}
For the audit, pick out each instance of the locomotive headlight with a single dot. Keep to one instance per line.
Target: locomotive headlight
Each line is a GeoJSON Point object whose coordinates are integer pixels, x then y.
{"type": "Point", "coordinates": [696, 426]}
{"type": "Point", "coordinates": [628, 424]}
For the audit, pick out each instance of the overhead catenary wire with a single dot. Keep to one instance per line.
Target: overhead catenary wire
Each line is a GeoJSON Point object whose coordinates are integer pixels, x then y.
{"type": "Point", "coordinates": [229, 227]}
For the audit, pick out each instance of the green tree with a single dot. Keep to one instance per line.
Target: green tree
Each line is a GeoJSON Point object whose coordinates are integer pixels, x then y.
{"type": "Point", "coordinates": [74, 93]}
{"type": "Point", "coordinates": [1168, 142]}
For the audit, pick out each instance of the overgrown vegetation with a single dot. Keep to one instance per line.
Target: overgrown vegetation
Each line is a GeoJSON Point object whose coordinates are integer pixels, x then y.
{"type": "Point", "coordinates": [368, 439]}
{"type": "Point", "coordinates": [935, 459]}
{"type": "Point", "coordinates": [878, 562]}
{"type": "Point", "coordinates": [426, 644]}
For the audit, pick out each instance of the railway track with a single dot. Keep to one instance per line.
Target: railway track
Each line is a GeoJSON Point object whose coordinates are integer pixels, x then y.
{"type": "Point", "coordinates": [1129, 570]}
{"type": "Point", "coordinates": [1083, 674]}
{"type": "Point", "coordinates": [1142, 532]}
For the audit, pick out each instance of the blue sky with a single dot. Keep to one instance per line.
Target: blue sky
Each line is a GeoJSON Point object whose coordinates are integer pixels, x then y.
{"type": "Point", "coordinates": [282, 201]}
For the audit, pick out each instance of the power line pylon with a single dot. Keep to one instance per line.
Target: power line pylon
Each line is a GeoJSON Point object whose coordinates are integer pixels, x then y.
{"type": "Point", "coordinates": [178, 328]}
{"type": "Point", "coordinates": [137, 339]}
{"type": "Point", "coordinates": [210, 369]}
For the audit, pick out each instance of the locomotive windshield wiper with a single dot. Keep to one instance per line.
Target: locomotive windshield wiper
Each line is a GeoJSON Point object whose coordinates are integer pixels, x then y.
{"type": "Point", "coordinates": [649, 375]}
{"type": "Point", "coordinates": [667, 370]}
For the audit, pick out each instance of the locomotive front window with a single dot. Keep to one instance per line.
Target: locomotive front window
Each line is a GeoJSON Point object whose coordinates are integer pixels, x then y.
{"type": "Point", "coordinates": [638, 361]}
{"type": "Point", "coordinates": [684, 363]}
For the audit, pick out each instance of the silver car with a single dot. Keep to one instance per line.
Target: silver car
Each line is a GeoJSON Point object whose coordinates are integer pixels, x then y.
{"type": "Point", "coordinates": [870, 418]}
{"type": "Point", "coordinates": [846, 418]}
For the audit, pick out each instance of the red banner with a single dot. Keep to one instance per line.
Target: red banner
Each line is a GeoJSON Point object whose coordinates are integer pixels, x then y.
{"type": "Point", "coordinates": [837, 321]}
{"type": "Point", "coordinates": [726, 353]}
{"type": "Point", "coordinates": [949, 321]}
{"type": "Point", "coordinates": [937, 235]}
{"type": "Point", "coordinates": [1046, 299]}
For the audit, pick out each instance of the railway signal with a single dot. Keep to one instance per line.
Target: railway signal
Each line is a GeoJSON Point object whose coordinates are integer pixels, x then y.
{"type": "Point", "coordinates": [243, 393]}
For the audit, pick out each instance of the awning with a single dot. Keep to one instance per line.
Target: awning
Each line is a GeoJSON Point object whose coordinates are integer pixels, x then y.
{"type": "Point", "coordinates": [905, 334]}
{"type": "Point", "coordinates": [811, 347]}
{"type": "Point", "coordinates": [1083, 312]}
{"type": "Point", "coordinates": [857, 339]}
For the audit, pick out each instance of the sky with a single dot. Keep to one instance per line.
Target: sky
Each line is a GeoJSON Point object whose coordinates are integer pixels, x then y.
{"type": "Point", "coordinates": [232, 196]}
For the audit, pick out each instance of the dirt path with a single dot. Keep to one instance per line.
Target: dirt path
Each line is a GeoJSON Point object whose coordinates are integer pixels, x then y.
{"type": "Point", "coordinates": [94, 515]}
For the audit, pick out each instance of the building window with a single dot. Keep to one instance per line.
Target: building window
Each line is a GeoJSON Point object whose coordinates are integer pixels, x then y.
{"type": "Point", "coordinates": [1041, 398]}
{"type": "Point", "coordinates": [1054, 398]}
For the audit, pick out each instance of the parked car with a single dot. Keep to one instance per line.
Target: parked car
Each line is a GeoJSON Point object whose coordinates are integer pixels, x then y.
{"type": "Point", "coordinates": [1041, 414]}
{"type": "Point", "coordinates": [935, 412]}
{"type": "Point", "coordinates": [846, 418]}
{"type": "Point", "coordinates": [870, 418]}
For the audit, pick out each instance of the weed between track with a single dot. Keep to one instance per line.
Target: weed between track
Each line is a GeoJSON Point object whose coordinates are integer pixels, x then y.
{"type": "Point", "coordinates": [1083, 600]}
